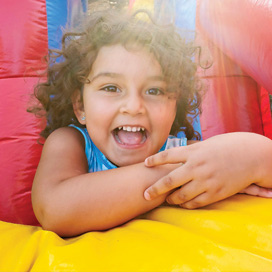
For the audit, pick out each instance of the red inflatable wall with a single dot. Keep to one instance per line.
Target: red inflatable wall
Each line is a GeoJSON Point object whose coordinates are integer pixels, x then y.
{"type": "Point", "coordinates": [23, 44]}
{"type": "Point", "coordinates": [242, 29]}
{"type": "Point", "coordinates": [236, 33]}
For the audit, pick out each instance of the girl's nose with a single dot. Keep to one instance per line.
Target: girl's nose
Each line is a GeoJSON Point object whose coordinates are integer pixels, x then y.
{"type": "Point", "coordinates": [133, 104]}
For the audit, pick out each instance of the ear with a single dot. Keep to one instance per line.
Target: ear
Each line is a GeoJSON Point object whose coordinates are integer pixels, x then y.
{"type": "Point", "coordinates": [78, 107]}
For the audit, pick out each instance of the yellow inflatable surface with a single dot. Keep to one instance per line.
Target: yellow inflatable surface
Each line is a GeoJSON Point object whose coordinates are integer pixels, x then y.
{"type": "Point", "coordinates": [232, 235]}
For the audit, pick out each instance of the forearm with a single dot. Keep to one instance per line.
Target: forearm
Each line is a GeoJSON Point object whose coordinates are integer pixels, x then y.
{"type": "Point", "coordinates": [97, 201]}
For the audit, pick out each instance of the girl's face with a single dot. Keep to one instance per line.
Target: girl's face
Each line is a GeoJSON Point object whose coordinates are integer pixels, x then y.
{"type": "Point", "coordinates": [128, 112]}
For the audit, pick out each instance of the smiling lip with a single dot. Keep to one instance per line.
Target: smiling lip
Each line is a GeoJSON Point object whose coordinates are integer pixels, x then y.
{"type": "Point", "coordinates": [130, 137]}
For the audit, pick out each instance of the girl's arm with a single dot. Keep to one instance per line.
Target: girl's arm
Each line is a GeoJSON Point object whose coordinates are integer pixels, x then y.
{"type": "Point", "coordinates": [215, 169]}
{"type": "Point", "coordinates": [69, 201]}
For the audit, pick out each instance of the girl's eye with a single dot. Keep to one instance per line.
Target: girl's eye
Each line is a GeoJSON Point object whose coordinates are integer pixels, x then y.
{"type": "Point", "coordinates": [154, 91]}
{"type": "Point", "coordinates": [111, 89]}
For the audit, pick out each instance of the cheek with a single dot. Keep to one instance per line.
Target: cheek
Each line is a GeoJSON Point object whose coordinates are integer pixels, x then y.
{"type": "Point", "coordinates": [165, 115]}
{"type": "Point", "coordinates": [96, 108]}
{"type": "Point", "coordinates": [168, 111]}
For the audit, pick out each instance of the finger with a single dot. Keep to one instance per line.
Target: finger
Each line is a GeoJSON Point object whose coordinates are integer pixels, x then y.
{"type": "Point", "coordinates": [199, 201]}
{"type": "Point", "coordinates": [186, 193]}
{"type": "Point", "coordinates": [250, 190]}
{"type": "Point", "coordinates": [256, 190]}
{"type": "Point", "coordinates": [173, 155]}
{"type": "Point", "coordinates": [174, 179]}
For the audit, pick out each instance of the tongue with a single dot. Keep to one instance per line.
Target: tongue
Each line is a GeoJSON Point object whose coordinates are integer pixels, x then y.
{"type": "Point", "coordinates": [130, 138]}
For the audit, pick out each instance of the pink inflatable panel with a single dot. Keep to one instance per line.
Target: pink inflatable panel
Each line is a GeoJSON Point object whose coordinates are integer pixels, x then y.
{"type": "Point", "coordinates": [23, 45]}
{"type": "Point", "coordinates": [242, 29]}
{"type": "Point", "coordinates": [240, 50]}
{"type": "Point", "coordinates": [235, 32]}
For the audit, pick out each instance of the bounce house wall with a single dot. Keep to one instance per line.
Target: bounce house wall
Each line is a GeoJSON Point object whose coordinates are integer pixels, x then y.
{"type": "Point", "coordinates": [27, 29]}
{"type": "Point", "coordinates": [239, 28]}
{"type": "Point", "coordinates": [235, 99]}
{"type": "Point", "coordinates": [23, 45]}
{"type": "Point", "coordinates": [231, 100]}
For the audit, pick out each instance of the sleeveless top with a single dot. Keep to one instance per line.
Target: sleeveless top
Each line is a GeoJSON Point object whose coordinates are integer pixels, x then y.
{"type": "Point", "coordinates": [97, 161]}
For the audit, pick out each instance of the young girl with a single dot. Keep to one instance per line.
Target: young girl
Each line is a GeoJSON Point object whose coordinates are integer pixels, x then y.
{"type": "Point", "coordinates": [120, 87]}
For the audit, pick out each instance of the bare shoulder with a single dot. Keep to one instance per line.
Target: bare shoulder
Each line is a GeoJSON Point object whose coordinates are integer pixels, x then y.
{"type": "Point", "coordinates": [64, 137]}
{"type": "Point", "coordinates": [63, 155]}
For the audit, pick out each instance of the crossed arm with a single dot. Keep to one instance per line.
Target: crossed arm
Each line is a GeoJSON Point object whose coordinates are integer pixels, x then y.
{"type": "Point", "coordinates": [69, 201]}
{"type": "Point", "coordinates": [215, 169]}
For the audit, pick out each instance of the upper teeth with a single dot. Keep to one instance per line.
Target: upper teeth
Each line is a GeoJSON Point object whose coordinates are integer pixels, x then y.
{"type": "Point", "coordinates": [133, 129]}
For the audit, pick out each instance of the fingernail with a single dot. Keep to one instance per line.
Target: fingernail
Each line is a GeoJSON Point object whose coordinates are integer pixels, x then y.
{"type": "Point", "coordinates": [146, 161]}
{"type": "Point", "coordinates": [147, 195]}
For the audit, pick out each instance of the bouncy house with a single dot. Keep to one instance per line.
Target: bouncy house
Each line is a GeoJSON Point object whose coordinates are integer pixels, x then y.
{"type": "Point", "coordinates": [232, 235]}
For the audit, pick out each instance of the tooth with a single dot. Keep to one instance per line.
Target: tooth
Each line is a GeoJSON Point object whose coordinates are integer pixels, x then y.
{"type": "Point", "coordinates": [131, 129]}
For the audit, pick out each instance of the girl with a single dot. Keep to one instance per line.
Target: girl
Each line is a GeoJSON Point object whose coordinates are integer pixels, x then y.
{"type": "Point", "coordinates": [121, 86]}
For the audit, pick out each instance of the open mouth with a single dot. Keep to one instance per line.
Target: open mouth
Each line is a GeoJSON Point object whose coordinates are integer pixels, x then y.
{"type": "Point", "coordinates": [130, 135]}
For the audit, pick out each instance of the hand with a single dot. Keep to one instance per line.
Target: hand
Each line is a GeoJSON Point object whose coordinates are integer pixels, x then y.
{"type": "Point", "coordinates": [213, 169]}
{"type": "Point", "coordinates": [256, 190]}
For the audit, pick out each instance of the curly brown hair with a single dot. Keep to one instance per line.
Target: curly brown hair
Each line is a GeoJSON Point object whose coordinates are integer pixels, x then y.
{"type": "Point", "coordinates": [69, 67]}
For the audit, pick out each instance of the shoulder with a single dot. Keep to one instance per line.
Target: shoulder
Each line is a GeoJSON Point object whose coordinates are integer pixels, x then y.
{"type": "Point", "coordinates": [64, 151]}
{"type": "Point", "coordinates": [65, 138]}
{"type": "Point", "coordinates": [67, 133]}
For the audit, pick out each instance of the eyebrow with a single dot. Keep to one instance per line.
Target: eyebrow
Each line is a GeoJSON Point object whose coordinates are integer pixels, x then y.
{"type": "Point", "coordinates": [105, 74]}
{"type": "Point", "coordinates": [116, 75]}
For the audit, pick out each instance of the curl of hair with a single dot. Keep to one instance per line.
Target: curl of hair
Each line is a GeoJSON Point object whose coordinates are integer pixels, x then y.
{"type": "Point", "coordinates": [68, 68]}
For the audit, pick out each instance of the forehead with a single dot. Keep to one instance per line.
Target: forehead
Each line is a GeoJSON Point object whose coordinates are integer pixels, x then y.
{"type": "Point", "coordinates": [119, 59]}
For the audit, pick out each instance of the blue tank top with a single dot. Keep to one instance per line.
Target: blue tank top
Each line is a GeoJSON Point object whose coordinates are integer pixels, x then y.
{"type": "Point", "coordinates": [97, 161]}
